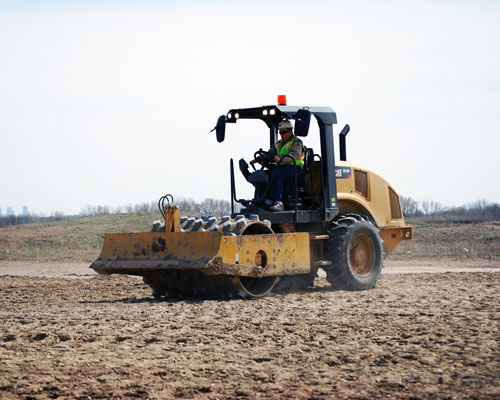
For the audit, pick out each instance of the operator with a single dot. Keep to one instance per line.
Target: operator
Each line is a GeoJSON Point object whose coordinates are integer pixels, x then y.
{"type": "Point", "coordinates": [289, 144]}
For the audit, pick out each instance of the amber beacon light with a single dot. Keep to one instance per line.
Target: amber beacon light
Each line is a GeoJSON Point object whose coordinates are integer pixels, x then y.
{"type": "Point", "coordinates": [282, 99]}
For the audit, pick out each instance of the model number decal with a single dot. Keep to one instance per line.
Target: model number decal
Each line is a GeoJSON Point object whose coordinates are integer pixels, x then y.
{"type": "Point", "coordinates": [342, 172]}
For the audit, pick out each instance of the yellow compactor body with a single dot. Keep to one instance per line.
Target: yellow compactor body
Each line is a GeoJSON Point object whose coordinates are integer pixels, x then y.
{"type": "Point", "coordinates": [246, 257]}
{"type": "Point", "coordinates": [337, 216]}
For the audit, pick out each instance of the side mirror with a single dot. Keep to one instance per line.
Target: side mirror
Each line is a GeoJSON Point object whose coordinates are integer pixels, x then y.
{"type": "Point", "coordinates": [220, 128]}
{"type": "Point", "coordinates": [302, 122]}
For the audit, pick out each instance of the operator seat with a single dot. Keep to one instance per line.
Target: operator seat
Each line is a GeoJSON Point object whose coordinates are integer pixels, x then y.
{"type": "Point", "coordinates": [302, 180]}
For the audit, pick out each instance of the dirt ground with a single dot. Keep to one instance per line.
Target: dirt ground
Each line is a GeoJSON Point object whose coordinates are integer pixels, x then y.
{"type": "Point", "coordinates": [67, 333]}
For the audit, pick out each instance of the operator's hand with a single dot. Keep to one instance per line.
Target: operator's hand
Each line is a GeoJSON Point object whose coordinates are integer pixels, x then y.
{"type": "Point", "coordinates": [277, 159]}
{"type": "Point", "coordinates": [252, 164]}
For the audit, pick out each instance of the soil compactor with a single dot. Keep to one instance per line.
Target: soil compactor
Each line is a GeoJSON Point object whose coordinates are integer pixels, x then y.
{"type": "Point", "coordinates": [338, 216]}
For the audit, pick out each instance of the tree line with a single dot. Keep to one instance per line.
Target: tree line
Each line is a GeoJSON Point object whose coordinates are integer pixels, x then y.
{"type": "Point", "coordinates": [30, 219]}
{"type": "Point", "coordinates": [213, 207]}
{"type": "Point", "coordinates": [209, 206]}
{"type": "Point", "coordinates": [478, 210]}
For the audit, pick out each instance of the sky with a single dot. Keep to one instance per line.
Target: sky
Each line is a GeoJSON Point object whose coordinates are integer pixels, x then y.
{"type": "Point", "coordinates": [112, 102]}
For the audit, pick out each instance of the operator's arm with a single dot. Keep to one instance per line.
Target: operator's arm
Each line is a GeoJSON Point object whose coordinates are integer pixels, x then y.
{"type": "Point", "coordinates": [297, 149]}
{"type": "Point", "coordinates": [274, 154]}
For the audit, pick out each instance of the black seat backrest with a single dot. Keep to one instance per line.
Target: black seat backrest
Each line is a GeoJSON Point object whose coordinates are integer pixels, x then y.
{"type": "Point", "coordinates": [309, 160]}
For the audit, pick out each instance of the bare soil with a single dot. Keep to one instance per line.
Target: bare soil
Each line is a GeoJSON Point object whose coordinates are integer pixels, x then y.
{"type": "Point", "coordinates": [417, 335]}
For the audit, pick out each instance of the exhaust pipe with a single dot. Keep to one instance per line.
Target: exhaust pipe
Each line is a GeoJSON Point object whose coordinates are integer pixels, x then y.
{"type": "Point", "coordinates": [343, 133]}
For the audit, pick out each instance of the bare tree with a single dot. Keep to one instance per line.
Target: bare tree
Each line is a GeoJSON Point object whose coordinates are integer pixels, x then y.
{"type": "Point", "coordinates": [187, 205]}
{"type": "Point", "coordinates": [409, 206]}
{"type": "Point", "coordinates": [431, 207]}
{"type": "Point", "coordinates": [215, 207]}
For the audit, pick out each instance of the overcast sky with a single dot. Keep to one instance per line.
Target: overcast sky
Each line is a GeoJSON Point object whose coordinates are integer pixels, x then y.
{"type": "Point", "coordinates": [111, 102]}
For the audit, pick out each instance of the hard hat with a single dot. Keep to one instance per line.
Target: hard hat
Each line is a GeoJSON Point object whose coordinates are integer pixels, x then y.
{"type": "Point", "coordinates": [285, 124]}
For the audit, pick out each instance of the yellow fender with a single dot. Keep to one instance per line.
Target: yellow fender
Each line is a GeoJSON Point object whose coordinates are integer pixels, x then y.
{"type": "Point", "coordinates": [362, 191]}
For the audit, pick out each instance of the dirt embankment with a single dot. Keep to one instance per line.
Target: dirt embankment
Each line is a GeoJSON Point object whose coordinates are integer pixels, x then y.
{"type": "Point", "coordinates": [420, 336]}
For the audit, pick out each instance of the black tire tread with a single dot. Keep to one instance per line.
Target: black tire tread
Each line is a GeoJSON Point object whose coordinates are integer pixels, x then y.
{"type": "Point", "coordinates": [340, 274]}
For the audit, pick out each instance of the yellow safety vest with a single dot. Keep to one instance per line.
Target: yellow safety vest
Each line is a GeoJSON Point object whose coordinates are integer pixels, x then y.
{"type": "Point", "coordinates": [283, 149]}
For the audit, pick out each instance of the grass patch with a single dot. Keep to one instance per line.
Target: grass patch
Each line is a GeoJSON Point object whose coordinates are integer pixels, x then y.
{"type": "Point", "coordinates": [452, 240]}
{"type": "Point", "coordinates": [78, 239]}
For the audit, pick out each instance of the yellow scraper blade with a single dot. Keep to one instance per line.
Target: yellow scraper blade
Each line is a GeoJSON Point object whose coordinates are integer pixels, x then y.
{"type": "Point", "coordinates": [132, 253]}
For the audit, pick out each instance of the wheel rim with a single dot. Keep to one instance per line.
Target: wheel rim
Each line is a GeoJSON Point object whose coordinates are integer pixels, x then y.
{"type": "Point", "coordinates": [257, 287]}
{"type": "Point", "coordinates": [362, 255]}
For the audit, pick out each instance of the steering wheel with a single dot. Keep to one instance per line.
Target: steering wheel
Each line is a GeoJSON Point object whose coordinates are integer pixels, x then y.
{"type": "Point", "coordinates": [263, 158]}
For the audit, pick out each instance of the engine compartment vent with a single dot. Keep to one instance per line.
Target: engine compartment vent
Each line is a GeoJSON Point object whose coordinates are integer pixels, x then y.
{"type": "Point", "coordinates": [395, 204]}
{"type": "Point", "coordinates": [361, 182]}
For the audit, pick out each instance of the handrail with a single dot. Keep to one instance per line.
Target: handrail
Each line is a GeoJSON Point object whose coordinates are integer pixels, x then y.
{"type": "Point", "coordinates": [322, 179]}
{"type": "Point", "coordinates": [233, 186]}
{"type": "Point", "coordinates": [295, 181]}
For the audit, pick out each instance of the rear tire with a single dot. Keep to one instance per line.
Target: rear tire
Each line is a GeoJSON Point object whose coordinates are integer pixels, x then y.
{"type": "Point", "coordinates": [356, 252]}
